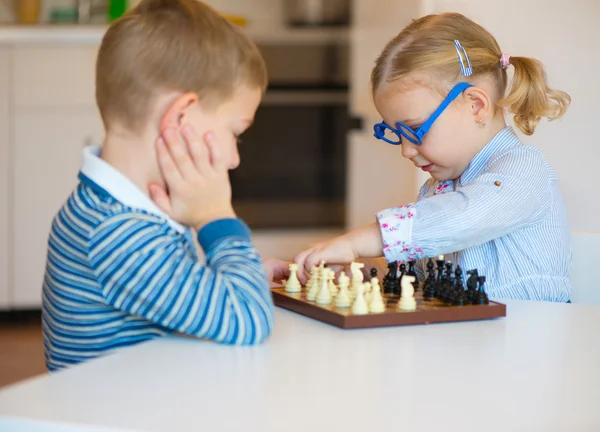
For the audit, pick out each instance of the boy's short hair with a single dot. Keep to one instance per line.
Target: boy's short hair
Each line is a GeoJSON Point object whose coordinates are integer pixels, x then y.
{"type": "Point", "coordinates": [171, 45]}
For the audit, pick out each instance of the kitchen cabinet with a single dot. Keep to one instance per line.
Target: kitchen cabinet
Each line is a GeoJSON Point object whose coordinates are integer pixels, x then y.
{"type": "Point", "coordinates": [4, 176]}
{"type": "Point", "coordinates": [47, 159]}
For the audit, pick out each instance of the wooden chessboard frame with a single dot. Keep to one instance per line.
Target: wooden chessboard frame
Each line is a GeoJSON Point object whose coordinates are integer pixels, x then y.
{"type": "Point", "coordinates": [432, 311]}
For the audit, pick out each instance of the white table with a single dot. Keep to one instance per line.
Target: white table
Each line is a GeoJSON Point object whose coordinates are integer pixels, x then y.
{"type": "Point", "coordinates": [536, 370]}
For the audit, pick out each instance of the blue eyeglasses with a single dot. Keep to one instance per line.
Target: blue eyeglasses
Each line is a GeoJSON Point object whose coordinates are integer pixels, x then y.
{"type": "Point", "coordinates": [416, 136]}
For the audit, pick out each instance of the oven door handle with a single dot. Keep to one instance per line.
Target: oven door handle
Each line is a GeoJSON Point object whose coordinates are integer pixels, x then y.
{"type": "Point", "coordinates": [304, 97]}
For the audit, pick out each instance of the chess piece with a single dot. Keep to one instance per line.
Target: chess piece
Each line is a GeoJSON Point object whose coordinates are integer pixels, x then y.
{"type": "Point", "coordinates": [357, 277]}
{"type": "Point", "coordinates": [411, 272]}
{"type": "Point", "coordinates": [429, 285]}
{"type": "Point", "coordinates": [407, 300]}
{"type": "Point", "coordinates": [332, 288]}
{"type": "Point", "coordinates": [373, 273]}
{"type": "Point", "coordinates": [359, 306]}
{"type": "Point", "coordinates": [324, 296]}
{"type": "Point", "coordinates": [472, 285]}
{"type": "Point", "coordinates": [367, 291]}
{"type": "Point", "coordinates": [459, 298]}
{"type": "Point", "coordinates": [376, 304]}
{"type": "Point", "coordinates": [440, 276]}
{"type": "Point", "coordinates": [481, 297]}
{"type": "Point", "coordinates": [342, 300]}
{"type": "Point", "coordinates": [390, 278]}
{"type": "Point", "coordinates": [312, 279]}
{"type": "Point", "coordinates": [293, 284]}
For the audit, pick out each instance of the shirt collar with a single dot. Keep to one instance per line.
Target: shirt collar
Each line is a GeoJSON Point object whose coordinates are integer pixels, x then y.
{"type": "Point", "coordinates": [119, 186]}
{"type": "Point", "coordinates": [504, 139]}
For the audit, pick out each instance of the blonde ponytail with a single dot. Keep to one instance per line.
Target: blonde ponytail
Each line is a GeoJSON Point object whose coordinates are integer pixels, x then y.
{"type": "Point", "coordinates": [530, 98]}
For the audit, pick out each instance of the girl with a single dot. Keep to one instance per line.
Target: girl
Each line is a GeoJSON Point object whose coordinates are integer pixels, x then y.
{"type": "Point", "coordinates": [492, 203]}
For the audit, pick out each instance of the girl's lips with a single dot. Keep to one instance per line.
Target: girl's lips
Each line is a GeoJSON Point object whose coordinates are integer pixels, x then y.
{"type": "Point", "coordinates": [427, 168]}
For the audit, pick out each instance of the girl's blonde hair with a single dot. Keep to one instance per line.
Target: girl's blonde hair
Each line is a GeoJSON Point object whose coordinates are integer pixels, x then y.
{"type": "Point", "coordinates": [426, 46]}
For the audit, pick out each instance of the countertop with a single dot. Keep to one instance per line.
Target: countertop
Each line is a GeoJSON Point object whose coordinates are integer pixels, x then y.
{"type": "Point", "coordinates": [535, 370]}
{"type": "Point", "coordinates": [92, 34]}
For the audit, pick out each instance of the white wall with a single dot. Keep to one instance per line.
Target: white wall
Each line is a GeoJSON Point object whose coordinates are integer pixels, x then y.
{"type": "Point", "coordinates": [563, 35]}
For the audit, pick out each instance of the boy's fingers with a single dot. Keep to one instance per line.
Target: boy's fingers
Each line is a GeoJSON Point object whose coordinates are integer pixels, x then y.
{"type": "Point", "coordinates": [160, 198]}
{"type": "Point", "coordinates": [198, 149]}
{"type": "Point", "coordinates": [217, 158]}
{"type": "Point", "coordinates": [180, 154]}
{"type": "Point", "coordinates": [169, 171]}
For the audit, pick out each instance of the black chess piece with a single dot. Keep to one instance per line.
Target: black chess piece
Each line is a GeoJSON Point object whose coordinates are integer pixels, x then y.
{"type": "Point", "coordinates": [440, 277]}
{"type": "Point", "coordinates": [411, 272]}
{"type": "Point", "coordinates": [459, 298]}
{"type": "Point", "coordinates": [373, 273]}
{"type": "Point", "coordinates": [429, 285]}
{"type": "Point", "coordinates": [472, 285]}
{"type": "Point", "coordinates": [459, 282]}
{"type": "Point", "coordinates": [448, 285]}
{"type": "Point", "coordinates": [481, 297]}
{"type": "Point", "coordinates": [390, 277]}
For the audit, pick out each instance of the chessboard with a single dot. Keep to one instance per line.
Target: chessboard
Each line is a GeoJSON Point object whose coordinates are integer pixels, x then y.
{"type": "Point", "coordinates": [403, 301]}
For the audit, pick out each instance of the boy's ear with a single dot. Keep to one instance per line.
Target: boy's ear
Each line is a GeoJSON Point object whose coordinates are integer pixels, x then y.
{"type": "Point", "coordinates": [479, 101]}
{"type": "Point", "coordinates": [176, 111]}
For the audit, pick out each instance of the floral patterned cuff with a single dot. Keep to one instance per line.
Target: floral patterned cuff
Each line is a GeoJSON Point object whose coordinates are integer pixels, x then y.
{"type": "Point", "coordinates": [396, 230]}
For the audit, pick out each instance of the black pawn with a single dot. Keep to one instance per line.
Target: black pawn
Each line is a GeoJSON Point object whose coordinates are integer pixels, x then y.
{"type": "Point", "coordinates": [373, 273]}
{"type": "Point", "coordinates": [459, 298]}
{"type": "Point", "coordinates": [429, 285]}
{"type": "Point", "coordinates": [481, 297]}
{"type": "Point", "coordinates": [472, 285]}
{"type": "Point", "coordinates": [448, 285]}
{"type": "Point", "coordinates": [389, 278]}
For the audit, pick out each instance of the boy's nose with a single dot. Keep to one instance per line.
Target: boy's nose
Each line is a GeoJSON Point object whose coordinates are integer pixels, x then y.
{"type": "Point", "coordinates": [409, 150]}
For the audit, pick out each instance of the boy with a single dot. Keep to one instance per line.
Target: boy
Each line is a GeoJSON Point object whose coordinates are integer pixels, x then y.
{"type": "Point", "coordinates": [175, 85]}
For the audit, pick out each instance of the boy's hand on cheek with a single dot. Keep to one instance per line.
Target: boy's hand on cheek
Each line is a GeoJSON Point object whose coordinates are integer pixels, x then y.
{"type": "Point", "coordinates": [196, 177]}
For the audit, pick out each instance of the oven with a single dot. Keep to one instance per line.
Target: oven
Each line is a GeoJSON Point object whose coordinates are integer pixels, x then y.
{"type": "Point", "coordinates": [293, 159]}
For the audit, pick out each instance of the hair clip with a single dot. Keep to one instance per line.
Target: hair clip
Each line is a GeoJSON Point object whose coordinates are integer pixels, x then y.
{"type": "Point", "coordinates": [466, 70]}
{"type": "Point", "coordinates": [504, 60]}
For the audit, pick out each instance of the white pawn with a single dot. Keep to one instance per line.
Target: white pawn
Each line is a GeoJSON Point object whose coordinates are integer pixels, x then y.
{"type": "Point", "coordinates": [367, 291]}
{"type": "Point", "coordinates": [312, 279]}
{"type": "Point", "coordinates": [293, 284]}
{"type": "Point", "coordinates": [359, 307]}
{"type": "Point", "coordinates": [376, 305]}
{"type": "Point", "coordinates": [311, 295]}
{"type": "Point", "coordinates": [407, 300]}
{"type": "Point", "coordinates": [324, 296]}
{"type": "Point", "coordinates": [343, 298]}
{"type": "Point", "coordinates": [330, 278]}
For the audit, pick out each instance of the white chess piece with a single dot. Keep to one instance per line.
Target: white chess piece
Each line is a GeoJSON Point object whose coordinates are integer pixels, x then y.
{"type": "Point", "coordinates": [357, 277]}
{"type": "Point", "coordinates": [332, 288]}
{"type": "Point", "coordinates": [324, 296]}
{"type": "Point", "coordinates": [359, 307]}
{"type": "Point", "coordinates": [311, 295]}
{"type": "Point", "coordinates": [293, 285]}
{"type": "Point", "coordinates": [343, 298]}
{"type": "Point", "coordinates": [367, 291]}
{"type": "Point", "coordinates": [407, 300]}
{"type": "Point", "coordinates": [312, 279]}
{"type": "Point", "coordinates": [376, 304]}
